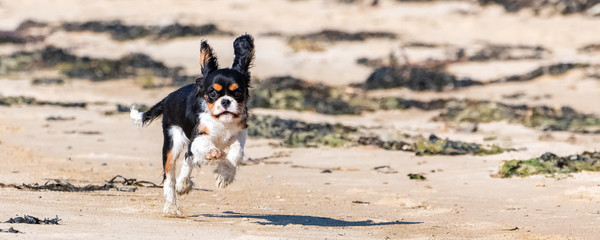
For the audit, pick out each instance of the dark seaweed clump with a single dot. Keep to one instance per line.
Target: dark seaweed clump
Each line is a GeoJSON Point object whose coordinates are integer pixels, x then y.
{"type": "Point", "coordinates": [555, 69]}
{"type": "Point", "coordinates": [296, 94]}
{"type": "Point", "coordinates": [317, 41]}
{"type": "Point", "coordinates": [437, 146]}
{"type": "Point", "coordinates": [34, 220]}
{"type": "Point", "coordinates": [118, 182]}
{"type": "Point", "coordinates": [296, 133]}
{"type": "Point", "coordinates": [21, 100]}
{"type": "Point", "coordinates": [415, 78]}
{"type": "Point", "coordinates": [300, 134]}
{"type": "Point", "coordinates": [508, 52]}
{"type": "Point", "coordinates": [95, 69]}
{"type": "Point", "coordinates": [551, 164]}
{"type": "Point", "coordinates": [590, 48]}
{"type": "Point", "coordinates": [562, 6]}
{"type": "Point", "coordinates": [546, 118]}
{"type": "Point", "coordinates": [121, 32]}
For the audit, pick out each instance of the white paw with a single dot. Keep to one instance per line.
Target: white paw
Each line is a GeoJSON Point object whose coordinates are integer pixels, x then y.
{"type": "Point", "coordinates": [214, 154]}
{"type": "Point", "coordinates": [184, 186]}
{"type": "Point", "coordinates": [223, 180]}
{"type": "Point", "coordinates": [171, 210]}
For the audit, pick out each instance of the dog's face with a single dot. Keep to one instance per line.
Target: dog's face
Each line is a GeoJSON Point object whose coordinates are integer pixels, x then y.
{"type": "Point", "coordinates": [226, 90]}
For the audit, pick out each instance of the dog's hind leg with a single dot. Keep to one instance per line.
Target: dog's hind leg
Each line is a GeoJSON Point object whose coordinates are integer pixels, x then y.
{"type": "Point", "coordinates": [174, 142]}
{"type": "Point", "coordinates": [184, 183]}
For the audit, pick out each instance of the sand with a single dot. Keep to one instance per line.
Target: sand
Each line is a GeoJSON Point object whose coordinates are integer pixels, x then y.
{"type": "Point", "coordinates": [289, 197]}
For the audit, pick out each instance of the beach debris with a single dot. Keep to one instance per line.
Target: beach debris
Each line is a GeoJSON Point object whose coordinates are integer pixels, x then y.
{"type": "Point", "coordinates": [559, 6]}
{"type": "Point", "coordinates": [319, 40]}
{"type": "Point", "coordinates": [294, 133]}
{"type": "Point", "coordinates": [386, 144]}
{"type": "Point", "coordinates": [48, 81]}
{"type": "Point", "coordinates": [22, 100]}
{"type": "Point", "coordinates": [546, 118]}
{"type": "Point", "coordinates": [590, 48]}
{"type": "Point", "coordinates": [385, 169]}
{"type": "Point", "coordinates": [287, 92]}
{"type": "Point", "coordinates": [278, 154]}
{"type": "Point", "coordinates": [34, 220]}
{"type": "Point", "coordinates": [118, 183]}
{"type": "Point", "coordinates": [437, 146]}
{"type": "Point", "coordinates": [137, 65]}
{"type": "Point", "coordinates": [415, 78]}
{"type": "Point", "coordinates": [509, 52]}
{"type": "Point", "coordinates": [122, 32]}
{"type": "Point", "coordinates": [554, 70]}
{"type": "Point", "coordinates": [361, 202]}
{"type": "Point", "coordinates": [10, 230]}
{"type": "Point", "coordinates": [416, 176]}
{"type": "Point", "coordinates": [551, 165]}
{"type": "Point", "coordinates": [59, 118]}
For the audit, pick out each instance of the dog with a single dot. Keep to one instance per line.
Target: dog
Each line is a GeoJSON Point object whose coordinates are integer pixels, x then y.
{"type": "Point", "coordinates": [208, 118]}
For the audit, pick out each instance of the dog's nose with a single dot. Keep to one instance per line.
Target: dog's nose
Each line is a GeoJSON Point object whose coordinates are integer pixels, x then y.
{"type": "Point", "coordinates": [225, 103]}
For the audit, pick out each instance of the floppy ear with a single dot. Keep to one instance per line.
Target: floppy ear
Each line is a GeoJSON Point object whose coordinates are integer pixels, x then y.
{"type": "Point", "coordinates": [243, 48]}
{"type": "Point", "coordinates": [208, 62]}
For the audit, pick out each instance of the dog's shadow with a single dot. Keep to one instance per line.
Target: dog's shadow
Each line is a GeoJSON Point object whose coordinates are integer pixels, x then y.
{"type": "Point", "coordinates": [283, 220]}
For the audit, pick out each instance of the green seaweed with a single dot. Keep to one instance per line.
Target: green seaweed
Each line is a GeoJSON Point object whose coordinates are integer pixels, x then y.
{"type": "Point", "coordinates": [436, 146]}
{"type": "Point", "coordinates": [416, 176]}
{"type": "Point", "coordinates": [551, 165]}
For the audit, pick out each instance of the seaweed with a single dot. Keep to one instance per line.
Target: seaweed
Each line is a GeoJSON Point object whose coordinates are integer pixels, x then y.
{"type": "Point", "coordinates": [415, 78]}
{"type": "Point", "coordinates": [300, 134]}
{"type": "Point", "coordinates": [10, 230]}
{"type": "Point", "coordinates": [554, 70]}
{"type": "Point", "coordinates": [436, 146]}
{"type": "Point", "coordinates": [295, 94]}
{"type": "Point", "coordinates": [48, 81]}
{"type": "Point", "coordinates": [294, 133]}
{"type": "Point", "coordinates": [509, 52]}
{"type": "Point", "coordinates": [95, 69]}
{"type": "Point", "coordinates": [546, 118]}
{"type": "Point", "coordinates": [562, 6]}
{"type": "Point", "coordinates": [22, 100]}
{"type": "Point", "coordinates": [34, 220]}
{"type": "Point", "coordinates": [318, 40]}
{"type": "Point", "coordinates": [416, 176]}
{"type": "Point", "coordinates": [551, 165]}
{"type": "Point", "coordinates": [118, 182]}
{"type": "Point", "coordinates": [122, 32]}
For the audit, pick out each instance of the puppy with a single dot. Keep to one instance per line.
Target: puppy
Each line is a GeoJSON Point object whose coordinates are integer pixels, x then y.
{"type": "Point", "coordinates": [208, 118]}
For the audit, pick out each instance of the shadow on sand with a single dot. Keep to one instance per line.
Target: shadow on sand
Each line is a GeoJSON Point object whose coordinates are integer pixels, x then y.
{"type": "Point", "coordinates": [282, 220]}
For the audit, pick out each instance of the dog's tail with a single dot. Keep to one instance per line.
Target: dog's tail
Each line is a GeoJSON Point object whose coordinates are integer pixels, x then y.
{"type": "Point", "coordinates": [142, 119]}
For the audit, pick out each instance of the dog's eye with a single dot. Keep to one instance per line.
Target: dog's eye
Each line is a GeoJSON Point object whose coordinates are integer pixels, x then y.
{"type": "Point", "coordinates": [237, 94]}
{"type": "Point", "coordinates": [213, 94]}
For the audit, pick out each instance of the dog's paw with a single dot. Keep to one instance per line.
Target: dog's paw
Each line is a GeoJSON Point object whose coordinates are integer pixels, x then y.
{"type": "Point", "coordinates": [214, 154]}
{"type": "Point", "coordinates": [184, 186]}
{"type": "Point", "coordinates": [223, 180]}
{"type": "Point", "coordinates": [171, 210]}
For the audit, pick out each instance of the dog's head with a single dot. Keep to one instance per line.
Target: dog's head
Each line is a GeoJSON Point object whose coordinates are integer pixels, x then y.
{"type": "Point", "coordinates": [226, 90]}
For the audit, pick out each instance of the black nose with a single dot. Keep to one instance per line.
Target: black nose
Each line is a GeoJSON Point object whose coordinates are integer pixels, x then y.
{"type": "Point", "coordinates": [225, 103]}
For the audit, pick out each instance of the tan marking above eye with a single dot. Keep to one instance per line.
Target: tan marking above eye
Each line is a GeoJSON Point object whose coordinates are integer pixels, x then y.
{"type": "Point", "coordinates": [217, 87]}
{"type": "Point", "coordinates": [233, 87]}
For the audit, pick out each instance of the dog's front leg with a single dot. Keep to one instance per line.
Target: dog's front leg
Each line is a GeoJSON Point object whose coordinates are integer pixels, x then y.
{"type": "Point", "coordinates": [226, 170]}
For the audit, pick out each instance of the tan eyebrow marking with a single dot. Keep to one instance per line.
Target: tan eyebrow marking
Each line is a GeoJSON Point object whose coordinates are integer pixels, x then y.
{"type": "Point", "coordinates": [233, 87]}
{"type": "Point", "coordinates": [217, 87]}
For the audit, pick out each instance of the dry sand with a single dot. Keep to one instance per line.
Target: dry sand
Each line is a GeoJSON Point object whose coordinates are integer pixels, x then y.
{"type": "Point", "coordinates": [289, 197]}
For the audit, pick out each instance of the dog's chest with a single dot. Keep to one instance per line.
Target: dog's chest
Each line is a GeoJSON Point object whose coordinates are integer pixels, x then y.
{"type": "Point", "coordinates": [221, 134]}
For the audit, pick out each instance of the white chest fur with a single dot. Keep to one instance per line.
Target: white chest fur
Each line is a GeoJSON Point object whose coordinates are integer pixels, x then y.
{"type": "Point", "coordinates": [222, 134]}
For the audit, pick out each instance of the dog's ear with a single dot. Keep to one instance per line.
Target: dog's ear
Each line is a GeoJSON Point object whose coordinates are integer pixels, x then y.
{"type": "Point", "coordinates": [200, 86]}
{"type": "Point", "coordinates": [243, 48]}
{"type": "Point", "coordinates": [208, 62]}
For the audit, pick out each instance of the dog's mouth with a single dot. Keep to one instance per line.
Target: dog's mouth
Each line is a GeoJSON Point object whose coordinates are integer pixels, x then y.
{"type": "Point", "coordinates": [226, 113]}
